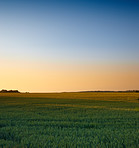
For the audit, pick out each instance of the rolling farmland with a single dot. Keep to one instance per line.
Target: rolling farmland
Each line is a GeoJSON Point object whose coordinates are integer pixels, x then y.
{"type": "Point", "coordinates": [83, 119]}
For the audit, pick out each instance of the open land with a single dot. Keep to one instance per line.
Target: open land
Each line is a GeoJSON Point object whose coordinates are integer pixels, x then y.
{"type": "Point", "coordinates": [79, 119]}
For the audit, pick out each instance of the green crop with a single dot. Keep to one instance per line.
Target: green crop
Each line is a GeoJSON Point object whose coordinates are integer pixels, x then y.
{"type": "Point", "coordinates": [70, 120]}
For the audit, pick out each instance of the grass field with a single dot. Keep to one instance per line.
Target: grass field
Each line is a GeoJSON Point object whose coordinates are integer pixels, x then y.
{"type": "Point", "coordinates": [82, 120]}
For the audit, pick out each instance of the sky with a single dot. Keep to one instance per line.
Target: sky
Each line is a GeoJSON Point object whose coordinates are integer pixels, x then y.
{"type": "Point", "coordinates": [69, 45]}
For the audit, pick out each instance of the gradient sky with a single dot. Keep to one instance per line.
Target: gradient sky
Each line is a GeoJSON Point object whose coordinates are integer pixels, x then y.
{"type": "Point", "coordinates": [69, 45]}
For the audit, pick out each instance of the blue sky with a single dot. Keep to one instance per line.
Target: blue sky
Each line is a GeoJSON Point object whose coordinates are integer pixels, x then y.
{"type": "Point", "coordinates": [72, 32]}
{"type": "Point", "coordinates": [71, 29]}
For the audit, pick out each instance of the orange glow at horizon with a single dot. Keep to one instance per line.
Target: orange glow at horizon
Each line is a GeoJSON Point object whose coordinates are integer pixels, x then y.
{"type": "Point", "coordinates": [40, 77]}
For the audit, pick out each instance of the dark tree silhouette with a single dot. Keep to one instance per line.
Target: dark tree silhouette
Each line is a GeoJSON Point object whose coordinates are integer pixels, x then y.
{"type": "Point", "coordinates": [9, 91]}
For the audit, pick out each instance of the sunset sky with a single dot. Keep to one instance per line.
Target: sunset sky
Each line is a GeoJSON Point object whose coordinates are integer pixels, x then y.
{"type": "Point", "coordinates": [69, 45]}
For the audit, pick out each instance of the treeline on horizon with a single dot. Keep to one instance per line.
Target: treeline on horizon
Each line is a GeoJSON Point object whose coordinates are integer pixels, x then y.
{"type": "Point", "coordinates": [112, 91]}
{"type": "Point", "coordinates": [9, 91]}
{"type": "Point", "coordinates": [16, 91]}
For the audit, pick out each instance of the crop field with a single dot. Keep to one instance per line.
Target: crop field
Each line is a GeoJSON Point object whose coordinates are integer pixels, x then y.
{"type": "Point", "coordinates": [69, 120]}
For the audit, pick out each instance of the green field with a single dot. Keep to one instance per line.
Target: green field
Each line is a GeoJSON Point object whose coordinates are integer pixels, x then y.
{"type": "Point", "coordinates": [70, 120]}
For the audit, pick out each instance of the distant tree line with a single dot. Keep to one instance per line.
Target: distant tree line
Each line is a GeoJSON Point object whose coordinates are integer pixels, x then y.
{"type": "Point", "coordinates": [9, 91]}
{"type": "Point", "coordinates": [112, 91]}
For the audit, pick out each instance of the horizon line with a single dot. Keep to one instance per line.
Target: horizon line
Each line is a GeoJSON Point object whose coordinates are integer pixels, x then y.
{"type": "Point", "coordinates": [82, 91]}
